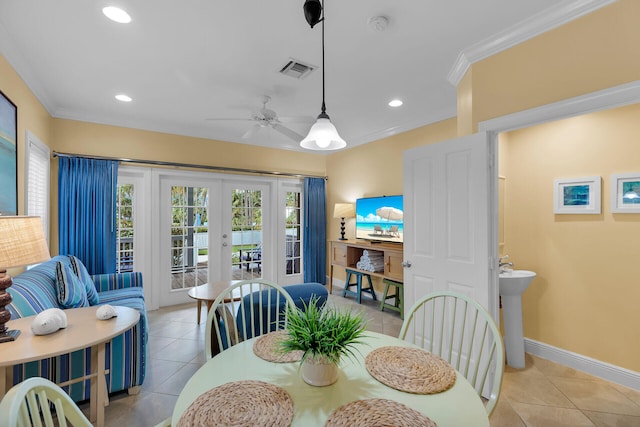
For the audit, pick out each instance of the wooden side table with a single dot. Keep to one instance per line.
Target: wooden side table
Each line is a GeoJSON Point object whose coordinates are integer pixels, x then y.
{"type": "Point", "coordinates": [209, 292]}
{"type": "Point", "coordinates": [83, 330]}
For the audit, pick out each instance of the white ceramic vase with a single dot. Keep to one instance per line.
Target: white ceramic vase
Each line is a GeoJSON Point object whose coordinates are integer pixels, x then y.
{"type": "Point", "coordinates": [317, 371]}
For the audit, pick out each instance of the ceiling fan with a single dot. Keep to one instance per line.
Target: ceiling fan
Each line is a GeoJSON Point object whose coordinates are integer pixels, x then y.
{"type": "Point", "coordinates": [266, 117]}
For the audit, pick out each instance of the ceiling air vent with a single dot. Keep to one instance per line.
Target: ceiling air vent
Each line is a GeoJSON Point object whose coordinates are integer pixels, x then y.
{"type": "Point", "coordinates": [297, 69]}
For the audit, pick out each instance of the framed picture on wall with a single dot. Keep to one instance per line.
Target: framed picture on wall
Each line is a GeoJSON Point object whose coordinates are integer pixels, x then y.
{"type": "Point", "coordinates": [8, 156]}
{"type": "Point", "coordinates": [577, 195]}
{"type": "Point", "coordinates": [625, 193]}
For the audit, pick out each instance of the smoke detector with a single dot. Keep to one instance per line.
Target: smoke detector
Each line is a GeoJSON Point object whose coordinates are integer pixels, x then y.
{"type": "Point", "coordinates": [378, 23]}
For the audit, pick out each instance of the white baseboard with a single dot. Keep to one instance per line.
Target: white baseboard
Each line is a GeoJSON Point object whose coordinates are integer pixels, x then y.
{"type": "Point", "coordinates": [586, 364]}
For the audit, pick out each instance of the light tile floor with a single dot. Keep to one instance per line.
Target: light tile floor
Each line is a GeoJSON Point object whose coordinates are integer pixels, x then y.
{"type": "Point", "coordinates": [544, 394]}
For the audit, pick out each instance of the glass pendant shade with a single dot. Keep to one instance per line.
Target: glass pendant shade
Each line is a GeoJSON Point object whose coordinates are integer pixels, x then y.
{"type": "Point", "coordinates": [323, 135]}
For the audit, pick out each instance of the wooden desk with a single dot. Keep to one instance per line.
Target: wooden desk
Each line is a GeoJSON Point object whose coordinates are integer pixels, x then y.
{"type": "Point", "coordinates": [347, 253]}
{"type": "Point", "coordinates": [83, 330]}
{"type": "Point", "coordinates": [458, 406]}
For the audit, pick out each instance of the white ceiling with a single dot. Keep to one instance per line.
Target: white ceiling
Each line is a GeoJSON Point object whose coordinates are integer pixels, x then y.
{"type": "Point", "coordinates": [187, 61]}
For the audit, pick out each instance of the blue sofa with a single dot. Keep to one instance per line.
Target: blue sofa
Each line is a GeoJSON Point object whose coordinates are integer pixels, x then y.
{"type": "Point", "coordinates": [35, 290]}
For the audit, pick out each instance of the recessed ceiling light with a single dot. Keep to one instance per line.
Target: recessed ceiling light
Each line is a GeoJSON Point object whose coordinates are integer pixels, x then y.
{"type": "Point", "coordinates": [395, 103]}
{"type": "Point", "coordinates": [116, 14]}
{"type": "Point", "coordinates": [124, 98]}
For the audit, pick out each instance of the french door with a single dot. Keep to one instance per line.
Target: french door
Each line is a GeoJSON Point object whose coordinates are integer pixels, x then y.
{"type": "Point", "coordinates": [183, 229]}
{"type": "Point", "coordinates": [246, 248]}
{"type": "Point", "coordinates": [189, 233]}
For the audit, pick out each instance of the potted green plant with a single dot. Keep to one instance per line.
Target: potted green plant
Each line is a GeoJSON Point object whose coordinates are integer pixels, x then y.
{"type": "Point", "coordinates": [324, 334]}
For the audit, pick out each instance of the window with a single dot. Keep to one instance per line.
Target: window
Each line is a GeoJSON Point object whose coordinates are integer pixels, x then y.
{"type": "Point", "coordinates": [189, 236]}
{"type": "Point", "coordinates": [37, 180]}
{"type": "Point", "coordinates": [293, 232]}
{"type": "Point", "coordinates": [125, 228]}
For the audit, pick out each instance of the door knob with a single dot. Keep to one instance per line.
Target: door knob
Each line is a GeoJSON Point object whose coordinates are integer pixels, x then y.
{"type": "Point", "coordinates": [225, 244]}
{"type": "Point", "coordinates": [406, 264]}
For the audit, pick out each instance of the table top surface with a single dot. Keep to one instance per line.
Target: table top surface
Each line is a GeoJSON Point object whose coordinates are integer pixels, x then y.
{"type": "Point", "coordinates": [458, 406]}
{"type": "Point", "coordinates": [83, 330]}
{"type": "Point", "coordinates": [210, 291]}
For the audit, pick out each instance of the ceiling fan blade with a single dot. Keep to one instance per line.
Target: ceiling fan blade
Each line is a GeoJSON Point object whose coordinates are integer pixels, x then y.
{"type": "Point", "coordinates": [296, 119]}
{"type": "Point", "coordinates": [252, 131]}
{"type": "Point", "coordinates": [288, 132]}
{"type": "Point", "coordinates": [230, 119]}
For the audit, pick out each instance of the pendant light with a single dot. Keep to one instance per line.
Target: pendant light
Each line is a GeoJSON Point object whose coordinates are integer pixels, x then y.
{"type": "Point", "coordinates": [323, 134]}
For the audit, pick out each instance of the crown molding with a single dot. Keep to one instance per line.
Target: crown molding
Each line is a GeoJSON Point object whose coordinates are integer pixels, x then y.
{"type": "Point", "coordinates": [613, 97]}
{"type": "Point", "coordinates": [537, 24]}
{"type": "Point", "coordinates": [16, 59]}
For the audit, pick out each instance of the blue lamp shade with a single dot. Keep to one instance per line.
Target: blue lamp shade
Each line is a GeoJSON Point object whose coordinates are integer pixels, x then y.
{"type": "Point", "coordinates": [323, 136]}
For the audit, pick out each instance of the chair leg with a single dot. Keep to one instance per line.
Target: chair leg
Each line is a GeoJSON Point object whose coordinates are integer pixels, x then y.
{"type": "Point", "coordinates": [359, 287]}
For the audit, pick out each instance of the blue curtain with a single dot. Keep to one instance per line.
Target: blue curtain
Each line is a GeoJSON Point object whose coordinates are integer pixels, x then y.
{"type": "Point", "coordinates": [87, 211]}
{"type": "Point", "coordinates": [314, 251]}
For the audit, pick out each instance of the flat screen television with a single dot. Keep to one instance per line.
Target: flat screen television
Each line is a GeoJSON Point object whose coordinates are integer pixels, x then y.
{"type": "Point", "coordinates": [380, 219]}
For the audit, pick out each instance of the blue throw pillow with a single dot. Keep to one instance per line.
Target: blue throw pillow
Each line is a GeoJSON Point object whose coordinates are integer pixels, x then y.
{"type": "Point", "coordinates": [81, 272]}
{"type": "Point", "coordinates": [71, 292]}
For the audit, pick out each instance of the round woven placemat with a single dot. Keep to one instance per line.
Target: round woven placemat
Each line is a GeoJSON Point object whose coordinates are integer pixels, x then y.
{"type": "Point", "coordinates": [265, 348]}
{"type": "Point", "coordinates": [240, 403]}
{"type": "Point", "coordinates": [410, 369]}
{"type": "Point", "coordinates": [377, 413]}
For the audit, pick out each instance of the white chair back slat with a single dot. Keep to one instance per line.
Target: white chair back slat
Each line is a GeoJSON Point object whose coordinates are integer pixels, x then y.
{"type": "Point", "coordinates": [230, 321]}
{"type": "Point", "coordinates": [461, 331]}
{"type": "Point", "coordinates": [30, 403]}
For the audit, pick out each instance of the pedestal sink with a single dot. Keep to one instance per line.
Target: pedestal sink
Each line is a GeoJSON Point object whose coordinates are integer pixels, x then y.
{"type": "Point", "coordinates": [512, 286]}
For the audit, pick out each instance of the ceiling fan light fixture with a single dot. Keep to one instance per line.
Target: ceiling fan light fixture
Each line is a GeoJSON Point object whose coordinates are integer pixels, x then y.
{"type": "Point", "coordinates": [323, 135]}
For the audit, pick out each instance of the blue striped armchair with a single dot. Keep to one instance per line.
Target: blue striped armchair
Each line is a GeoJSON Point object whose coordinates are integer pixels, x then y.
{"type": "Point", "coordinates": [36, 290]}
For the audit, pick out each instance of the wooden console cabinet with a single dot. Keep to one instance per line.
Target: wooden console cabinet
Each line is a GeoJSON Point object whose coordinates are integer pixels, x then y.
{"type": "Point", "coordinates": [347, 253]}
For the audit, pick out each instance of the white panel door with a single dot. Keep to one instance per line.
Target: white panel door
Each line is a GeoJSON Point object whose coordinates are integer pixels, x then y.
{"type": "Point", "coordinates": [447, 224]}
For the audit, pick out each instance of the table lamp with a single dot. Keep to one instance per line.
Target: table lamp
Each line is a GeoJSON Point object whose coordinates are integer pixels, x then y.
{"type": "Point", "coordinates": [342, 211]}
{"type": "Point", "coordinates": [22, 242]}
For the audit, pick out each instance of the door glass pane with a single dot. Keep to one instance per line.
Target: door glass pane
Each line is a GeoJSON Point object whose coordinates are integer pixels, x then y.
{"type": "Point", "coordinates": [246, 227]}
{"type": "Point", "coordinates": [293, 233]}
{"type": "Point", "coordinates": [189, 237]}
{"type": "Point", "coordinates": [124, 228]}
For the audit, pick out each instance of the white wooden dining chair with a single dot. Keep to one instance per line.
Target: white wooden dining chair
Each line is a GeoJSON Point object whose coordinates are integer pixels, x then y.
{"type": "Point", "coordinates": [459, 330]}
{"type": "Point", "coordinates": [247, 309]}
{"type": "Point", "coordinates": [30, 403]}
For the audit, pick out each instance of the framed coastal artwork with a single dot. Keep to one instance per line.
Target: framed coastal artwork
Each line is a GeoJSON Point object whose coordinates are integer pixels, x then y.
{"type": "Point", "coordinates": [8, 157]}
{"type": "Point", "coordinates": [577, 195]}
{"type": "Point", "coordinates": [625, 193]}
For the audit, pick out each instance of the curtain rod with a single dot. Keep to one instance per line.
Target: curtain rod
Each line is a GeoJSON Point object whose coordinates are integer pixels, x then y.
{"type": "Point", "coordinates": [187, 165]}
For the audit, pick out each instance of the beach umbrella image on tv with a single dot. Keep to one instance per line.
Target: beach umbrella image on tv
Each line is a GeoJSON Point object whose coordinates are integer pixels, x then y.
{"type": "Point", "coordinates": [389, 213]}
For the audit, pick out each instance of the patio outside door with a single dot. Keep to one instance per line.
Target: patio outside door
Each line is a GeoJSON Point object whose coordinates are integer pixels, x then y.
{"type": "Point", "coordinates": [245, 220]}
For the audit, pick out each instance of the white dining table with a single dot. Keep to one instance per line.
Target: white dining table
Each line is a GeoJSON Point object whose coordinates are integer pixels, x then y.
{"type": "Point", "coordinates": [456, 407]}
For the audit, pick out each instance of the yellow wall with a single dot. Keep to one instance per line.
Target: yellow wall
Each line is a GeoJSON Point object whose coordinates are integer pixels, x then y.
{"type": "Point", "coordinates": [585, 296]}
{"type": "Point", "coordinates": [32, 116]}
{"type": "Point", "coordinates": [90, 138]}
{"type": "Point", "coordinates": [374, 169]}
{"type": "Point", "coordinates": [595, 52]}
